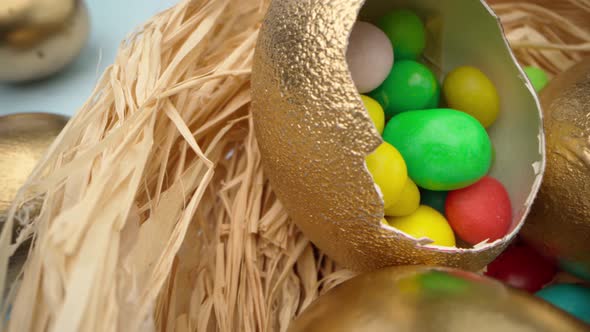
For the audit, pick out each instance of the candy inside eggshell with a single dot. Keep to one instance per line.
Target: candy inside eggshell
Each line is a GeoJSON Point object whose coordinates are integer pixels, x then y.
{"type": "Point", "coordinates": [369, 56]}
{"type": "Point", "coordinates": [315, 134]}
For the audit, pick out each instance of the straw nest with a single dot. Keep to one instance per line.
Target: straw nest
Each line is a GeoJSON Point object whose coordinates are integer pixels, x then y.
{"type": "Point", "coordinates": [156, 214]}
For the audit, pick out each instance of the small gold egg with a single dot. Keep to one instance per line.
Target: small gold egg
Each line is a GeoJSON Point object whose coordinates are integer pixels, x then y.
{"type": "Point", "coordinates": [39, 38]}
{"type": "Point", "coordinates": [430, 299]}
{"type": "Point", "coordinates": [559, 223]}
{"type": "Point", "coordinates": [23, 140]}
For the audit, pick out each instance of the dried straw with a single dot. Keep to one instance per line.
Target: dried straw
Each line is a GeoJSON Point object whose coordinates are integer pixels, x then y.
{"type": "Point", "coordinates": [553, 35]}
{"type": "Point", "coordinates": [156, 213]}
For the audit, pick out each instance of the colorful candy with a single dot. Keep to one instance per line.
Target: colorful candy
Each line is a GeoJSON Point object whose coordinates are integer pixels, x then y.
{"type": "Point", "coordinates": [409, 86]}
{"type": "Point", "coordinates": [574, 299]}
{"type": "Point", "coordinates": [438, 149]}
{"type": "Point", "coordinates": [469, 90]}
{"type": "Point", "coordinates": [522, 267]}
{"type": "Point", "coordinates": [578, 270]}
{"type": "Point", "coordinates": [369, 56]}
{"type": "Point", "coordinates": [537, 77]}
{"type": "Point", "coordinates": [408, 202]}
{"type": "Point", "coordinates": [389, 172]}
{"type": "Point", "coordinates": [425, 222]}
{"type": "Point", "coordinates": [444, 149]}
{"type": "Point", "coordinates": [480, 212]}
{"type": "Point", "coordinates": [375, 112]}
{"type": "Point", "coordinates": [406, 32]}
{"type": "Point", "coordinates": [435, 101]}
{"type": "Point", "coordinates": [434, 199]}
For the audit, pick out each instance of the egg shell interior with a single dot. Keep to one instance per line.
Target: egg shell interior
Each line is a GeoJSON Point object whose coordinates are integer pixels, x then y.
{"type": "Point", "coordinates": [453, 40]}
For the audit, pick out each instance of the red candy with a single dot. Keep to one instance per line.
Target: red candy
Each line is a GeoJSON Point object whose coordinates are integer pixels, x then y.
{"type": "Point", "coordinates": [479, 212]}
{"type": "Point", "coordinates": [522, 267]}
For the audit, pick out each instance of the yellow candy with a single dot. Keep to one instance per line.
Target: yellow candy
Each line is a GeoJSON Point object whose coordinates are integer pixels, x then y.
{"type": "Point", "coordinates": [425, 222]}
{"type": "Point", "coordinates": [408, 202]}
{"type": "Point", "coordinates": [375, 112]}
{"type": "Point", "coordinates": [469, 90]}
{"type": "Point", "coordinates": [389, 172]}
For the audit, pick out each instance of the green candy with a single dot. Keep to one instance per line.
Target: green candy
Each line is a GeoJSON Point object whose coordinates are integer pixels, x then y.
{"type": "Point", "coordinates": [406, 32]}
{"type": "Point", "coordinates": [444, 149]}
{"type": "Point", "coordinates": [440, 283]}
{"type": "Point", "coordinates": [435, 100]}
{"type": "Point", "coordinates": [434, 199]}
{"type": "Point", "coordinates": [409, 86]}
{"type": "Point", "coordinates": [537, 77]}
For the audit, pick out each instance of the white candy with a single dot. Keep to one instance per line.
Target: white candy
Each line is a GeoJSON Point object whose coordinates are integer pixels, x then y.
{"type": "Point", "coordinates": [369, 56]}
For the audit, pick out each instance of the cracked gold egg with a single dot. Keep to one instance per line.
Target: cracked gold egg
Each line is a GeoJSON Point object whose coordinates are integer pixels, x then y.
{"type": "Point", "coordinates": [424, 299]}
{"type": "Point", "coordinates": [40, 37]}
{"type": "Point", "coordinates": [314, 132]}
{"type": "Point", "coordinates": [559, 223]}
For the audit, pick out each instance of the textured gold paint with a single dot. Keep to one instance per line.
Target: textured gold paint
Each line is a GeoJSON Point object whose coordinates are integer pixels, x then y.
{"type": "Point", "coordinates": [23, 140]}
{"type": "Point", "coordinates": [418, 299]}
{"type": "Point", "coordinates": [560, 218]}
{"type": "Point", "coordinates": [37, 38]}
{"type": "Point", "coordinates": [314, 133]}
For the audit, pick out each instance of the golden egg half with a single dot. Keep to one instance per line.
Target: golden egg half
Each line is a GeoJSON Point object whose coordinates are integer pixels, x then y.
{"type": "Point", "coordinates": [314, 132]}
{"type": "Point", "coordinates": [430, 299]}
{"type": "Point", "coordinates": [39, 38]}
{"type": "Point", "coordinates": [559, 223]}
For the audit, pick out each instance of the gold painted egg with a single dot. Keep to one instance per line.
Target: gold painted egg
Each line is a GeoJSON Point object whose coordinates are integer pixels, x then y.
{"type": "Point", "coordinates": [314, 132]}
{"type": "Point", "coordinates": [39, 38]}
{"type": "Point", "coordinates": [23, 140]}
{"type": "Point", "coordinates": [559, 222]}
{"type": "Point", "coordinates": [425, 299]}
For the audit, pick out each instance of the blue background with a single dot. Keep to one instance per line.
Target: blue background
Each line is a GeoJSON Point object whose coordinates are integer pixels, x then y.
{"type": "Point", "coordinates": [64, 93]}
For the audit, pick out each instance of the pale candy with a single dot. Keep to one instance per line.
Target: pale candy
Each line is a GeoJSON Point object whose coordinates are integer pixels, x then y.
{"type": "Point", "coordinates": [369, 56]}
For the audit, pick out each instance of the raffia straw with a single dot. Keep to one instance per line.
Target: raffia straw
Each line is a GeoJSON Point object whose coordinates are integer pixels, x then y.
{"type": "Point", "coordinates": [553, 35]}
{"type": "Point", "coordinates": [157, 215]}
{"type": "Point", "coordinates": [156, 212]}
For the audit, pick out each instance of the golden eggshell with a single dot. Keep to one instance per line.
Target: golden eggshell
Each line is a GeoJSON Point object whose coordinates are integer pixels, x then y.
{"type": "Point", "coordinates": [314, 132]}
{"type": "Point", "coordinates": [424, 299]}
{"type": "Point", "coordinates": [40, 37]}
{"type": "Point", "coordinates": [23, 140]}
{"type": "Point", "coordinates": [559, 222]}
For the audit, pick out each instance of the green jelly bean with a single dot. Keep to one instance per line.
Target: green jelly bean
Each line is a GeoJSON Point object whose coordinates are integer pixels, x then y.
{"type": "Point", "coordinates": [434, 199]}
{"type": "Point", "coordinates": [444, 149]}
{"type": "Point", "coordinates": [435, 100]}
{"type": "Point", "coordinates": [437, 283]}
{"type": "Point", "coordinates": [406, 32]}
{"type": "Point", "coordinates": [537, 77]}
{"type": "Point", "coordinates": [409, 86]}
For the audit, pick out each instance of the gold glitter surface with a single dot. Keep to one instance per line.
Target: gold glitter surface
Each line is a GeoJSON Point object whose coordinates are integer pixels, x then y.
{"type": "Point", "coordinates": [560, 218]}
{"type": "Point", "coordinates": [417, 299]}
{"type": "Point", "coordinates": [314, 132]}
{"type": "Point", "coordinates": [23, 140]}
